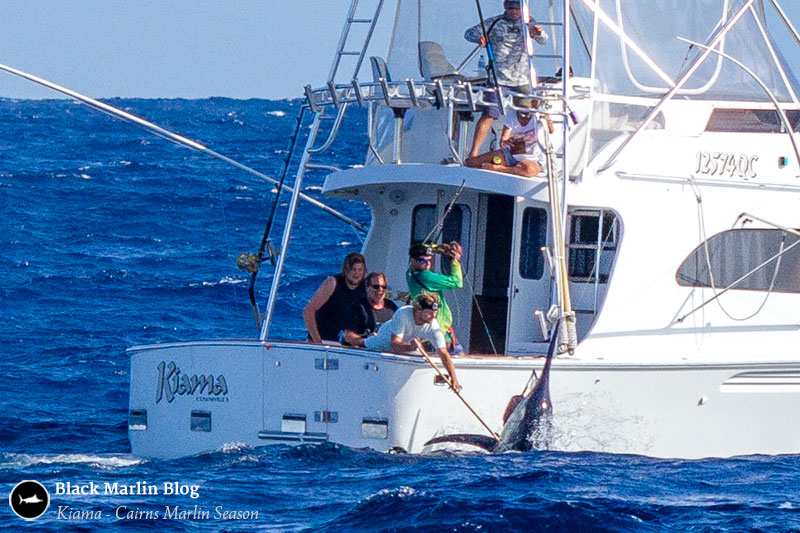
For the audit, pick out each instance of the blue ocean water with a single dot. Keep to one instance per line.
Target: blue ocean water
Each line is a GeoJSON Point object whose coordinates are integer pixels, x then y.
{"type": "Point", "coordinates": [111, 237]}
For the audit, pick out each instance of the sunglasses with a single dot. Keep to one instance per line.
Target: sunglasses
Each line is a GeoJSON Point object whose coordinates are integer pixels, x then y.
{"type": "Point", "coordinates": [423, 260]}
{"type": "Point", "coordinates": [376, 287]}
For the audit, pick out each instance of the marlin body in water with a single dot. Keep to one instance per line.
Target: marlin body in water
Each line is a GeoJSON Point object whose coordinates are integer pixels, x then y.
{"type": "Point", "coordinates": [527, 423]}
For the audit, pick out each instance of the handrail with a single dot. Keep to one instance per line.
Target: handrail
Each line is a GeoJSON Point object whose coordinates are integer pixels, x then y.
{"type": "Point", "coordinates": [677, 87]}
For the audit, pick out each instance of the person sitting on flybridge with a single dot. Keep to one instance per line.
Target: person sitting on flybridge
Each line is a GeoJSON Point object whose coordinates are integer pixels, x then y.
{"type": "Point", "coordinates": [520, 153]}
{"type": "Point", "coordinates": [325, 311]}
{"type": "Point", "coordinates": [417, 321]}
{"type": "Point", "coordinates": [367, 316]}
{"type": "Point", "coordinates": [510, 60]}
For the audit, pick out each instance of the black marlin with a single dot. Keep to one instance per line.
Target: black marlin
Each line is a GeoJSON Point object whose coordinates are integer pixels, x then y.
{"type": "Point", "coordinates": [529, 423]}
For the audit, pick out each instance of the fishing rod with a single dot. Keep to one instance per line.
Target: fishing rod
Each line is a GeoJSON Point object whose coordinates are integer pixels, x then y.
{"type": "Point", "coordinates": [254, 262]}
{"type": "Point", "coordinates": [490, 54]}
{"type": "Point", "coordinates": [437, 230]}
{"type": "Point", "coordinates": [173, 137]}
{"type": "Point", "coordinates": [449, 382]}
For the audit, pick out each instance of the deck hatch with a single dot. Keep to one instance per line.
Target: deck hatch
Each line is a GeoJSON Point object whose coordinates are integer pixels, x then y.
{"type": "Point", "coordinates": [201, 421]}
{"type": "Point", "coordinates": [137, 420]}
{"type": "Point", "coordinates": [293, 423]}
{"type": "Point", "coordinates": [374, 428]}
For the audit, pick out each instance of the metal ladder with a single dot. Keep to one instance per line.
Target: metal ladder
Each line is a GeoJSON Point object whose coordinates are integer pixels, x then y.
{"type": "Point", "coordinates": [320, 116]}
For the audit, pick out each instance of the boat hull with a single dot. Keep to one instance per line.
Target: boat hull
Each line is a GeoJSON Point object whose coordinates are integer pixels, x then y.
{"type": "Point", "coordinates": [190, 398]}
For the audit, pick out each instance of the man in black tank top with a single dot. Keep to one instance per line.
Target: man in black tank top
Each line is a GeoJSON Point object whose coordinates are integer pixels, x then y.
{"type": "Point", "coordinates": [328, 308]}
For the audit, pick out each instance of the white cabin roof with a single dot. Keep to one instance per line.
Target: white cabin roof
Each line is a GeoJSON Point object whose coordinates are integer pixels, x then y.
{"type": "Point", "coordinates": [341, 183]}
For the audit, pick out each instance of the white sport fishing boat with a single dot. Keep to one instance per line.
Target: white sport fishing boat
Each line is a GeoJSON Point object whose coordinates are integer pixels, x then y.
{"type": "Point", "coordinates": [660, 233]}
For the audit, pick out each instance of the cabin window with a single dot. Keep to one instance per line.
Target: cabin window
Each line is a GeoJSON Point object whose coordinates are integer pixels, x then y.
{"type": "Point", "coordinates": [748, 259]}
{"type": "Point", "coordinates": [456, 228]}
{"type": "Point", "coordinates": [750, 121]}
{"type": "Point", "coordinates": [590, 232]}
{"type": "Point", "coordinates": [534, 237]}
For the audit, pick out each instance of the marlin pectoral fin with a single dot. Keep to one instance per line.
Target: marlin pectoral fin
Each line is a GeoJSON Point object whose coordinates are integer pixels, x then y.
{"type": "Point", "coordinates": [481, 441]}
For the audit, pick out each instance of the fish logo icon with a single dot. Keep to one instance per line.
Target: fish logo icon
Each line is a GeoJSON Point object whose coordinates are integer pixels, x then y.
{"type": "Point", "coordinates": [29, 499]}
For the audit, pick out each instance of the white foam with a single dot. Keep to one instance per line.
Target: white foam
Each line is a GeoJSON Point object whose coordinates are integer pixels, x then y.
{"type": "Point", "coordinates": [233, 447]}
{"type": "Point", "coordinates": [103, 462]}
{"type": "Point", "coordinates": [229, 280]}
{"type": "Point", "coordinates": [277, 113]}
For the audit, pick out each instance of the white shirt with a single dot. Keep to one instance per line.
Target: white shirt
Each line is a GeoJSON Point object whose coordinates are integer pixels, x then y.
{"type": "Point", "coordinates": [402, 324]}
{"type": "Point", "coordinates": [529, 133]}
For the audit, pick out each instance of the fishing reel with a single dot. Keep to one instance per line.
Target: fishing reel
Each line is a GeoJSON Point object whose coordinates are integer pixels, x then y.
{"type": "Point", "coordinates": [248, 262]}
{"type": "Point", "coordinates": [252, 262]}
{"type": "Point", "coordinates": [446, 248]}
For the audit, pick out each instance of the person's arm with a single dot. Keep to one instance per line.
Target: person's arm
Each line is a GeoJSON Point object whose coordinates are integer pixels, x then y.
{"type": "Point", "coordinates": [538, 33]}
{"type": "Point", "coordinates": [474, 34]}
{"type": "Point", "coordinates": [438, 282]}
{"type": "Point", "coordinates": [447, 361]}
{"type": "Point", "coordinates": [505, 137]}
{"type": "Point", "coordinates": [398, 346]}
{"type": "Point", "coordinates": [355, 325]}
{"type": "Point", "coordinates": [352, 338]}
{"type": "Point", "coordinates": [322, 295]}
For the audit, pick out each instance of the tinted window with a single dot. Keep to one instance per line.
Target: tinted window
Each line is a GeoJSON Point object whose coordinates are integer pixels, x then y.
{"type": "Point", "coordinates": [750, 120]}
{"type": "Point", "coordinates": [456, 228]}
{"type": "Point", "coordinates": [734, 254]}
{"type": "Point", "coordinates": [534, 236]}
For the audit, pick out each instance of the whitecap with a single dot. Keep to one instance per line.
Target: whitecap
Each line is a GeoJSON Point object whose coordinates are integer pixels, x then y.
{"type": "Point", "coordinates": [103, 462]}
{"type": "Point", "coordinates": [233, 447]}
{"type": "Point", "coordinates": [85, 167]}
{"type": "Point", "coordinates": [232, 281]}
{"type": "Point", "coordinates": [357, 166]}
{"type": "Point", "coordinates": [345, 243]}
{"type": "Point", "coordinates": [277, 113]}
{"type": "Point", "coordinates": [786, 505]}
{"type": "Point", "coordinates": [124, 162]}
{"type": "Point", "coordinates": [86, 176]}
{"type": "Point", "coordinates": [313, 188]}
{"type": "Point", "coordinates": [399, 492]}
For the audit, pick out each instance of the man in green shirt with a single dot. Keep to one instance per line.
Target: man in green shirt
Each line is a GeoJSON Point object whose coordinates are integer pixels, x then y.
{"type": "Point", "coordinates": [421, 279]}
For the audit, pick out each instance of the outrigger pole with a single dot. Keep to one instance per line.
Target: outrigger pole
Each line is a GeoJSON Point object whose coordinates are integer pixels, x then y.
{"type": "Point", "coordinates": [175, 138]}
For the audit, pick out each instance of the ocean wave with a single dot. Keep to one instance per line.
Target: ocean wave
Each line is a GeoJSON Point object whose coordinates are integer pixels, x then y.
{"type": "Point", "coordinates": [100, 462]}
